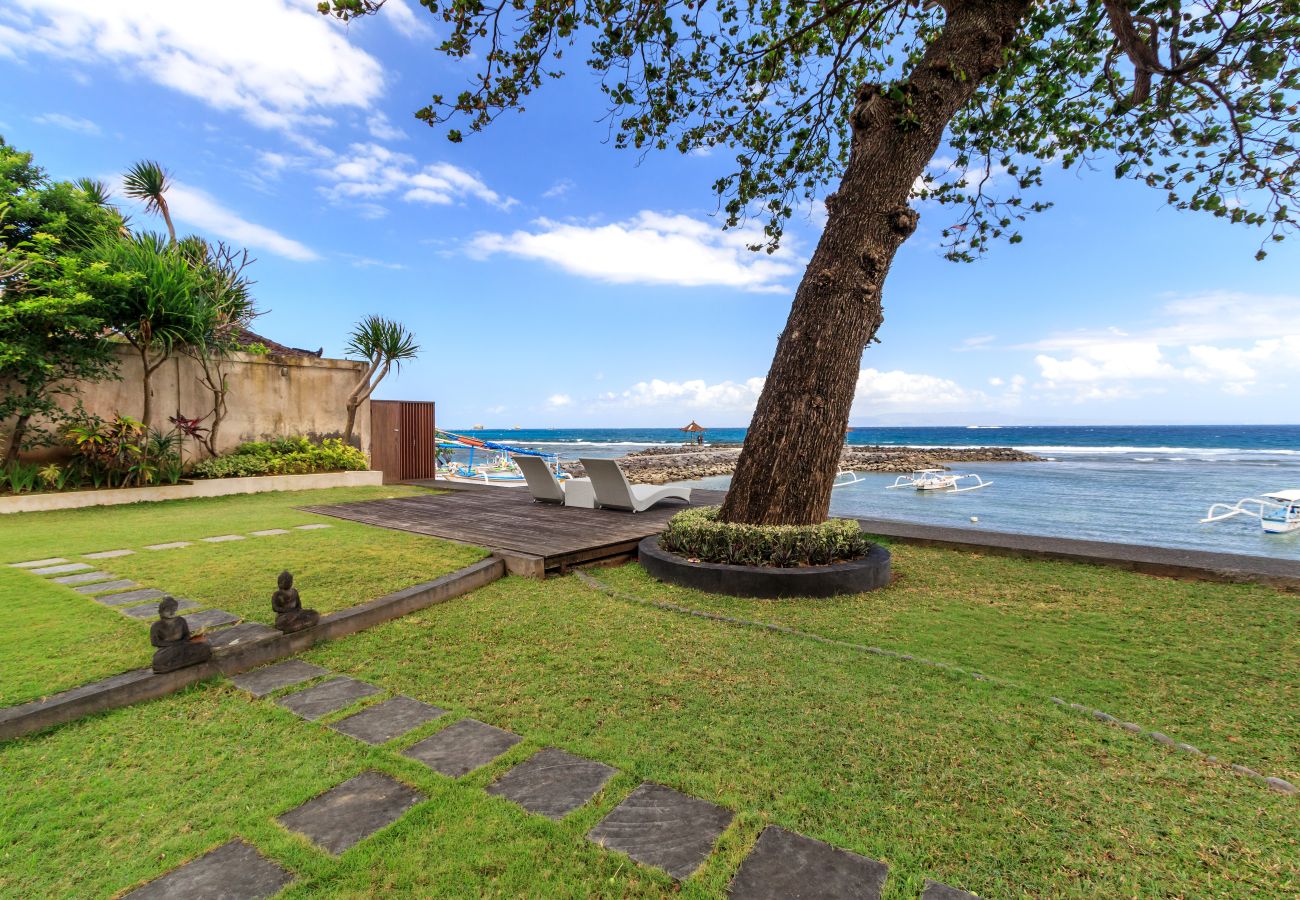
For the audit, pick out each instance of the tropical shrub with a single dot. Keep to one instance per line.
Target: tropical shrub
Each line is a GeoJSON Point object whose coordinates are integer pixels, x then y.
{"type": "Point", "coordinates": [284, 456]}
{"type": "Point", "coordinates": [699, 535]}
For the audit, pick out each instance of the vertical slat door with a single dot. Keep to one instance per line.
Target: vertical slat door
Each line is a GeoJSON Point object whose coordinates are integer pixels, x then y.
{"type": "Point", "coordinates": [418, 440]}
{"type": "Point", "coordinates": [386, 438]}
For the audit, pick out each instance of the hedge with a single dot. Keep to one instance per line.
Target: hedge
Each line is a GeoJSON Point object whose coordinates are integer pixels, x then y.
{"type": "Point", "coordinates": [286, 456]}
{"type": "Point", "coordinates": [698, 534]}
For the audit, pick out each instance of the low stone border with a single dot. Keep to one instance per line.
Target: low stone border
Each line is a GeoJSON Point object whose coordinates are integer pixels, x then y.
{"type": "Point", "coordinates": [143, 684]}
{"type": "Point", "coordinates": [210, 487]}
{"type": "Point", "coordinates": [853, 577]}
{"type": "Point", "coordinates": [1277, 784]}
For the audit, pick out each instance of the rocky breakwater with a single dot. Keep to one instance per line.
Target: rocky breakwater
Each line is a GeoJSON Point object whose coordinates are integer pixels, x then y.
{"type": "Point", "coordinates": [660, 465]}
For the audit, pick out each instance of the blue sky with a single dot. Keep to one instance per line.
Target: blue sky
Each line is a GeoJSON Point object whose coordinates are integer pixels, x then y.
{"type": "Point", "coordinates": [555, 281]}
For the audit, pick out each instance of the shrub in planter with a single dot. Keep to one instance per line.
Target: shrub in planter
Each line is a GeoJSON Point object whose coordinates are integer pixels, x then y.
{"type": "Point", "coordinates": [285, 456]}
{"type": "Point", "coordinates": [699, 535]}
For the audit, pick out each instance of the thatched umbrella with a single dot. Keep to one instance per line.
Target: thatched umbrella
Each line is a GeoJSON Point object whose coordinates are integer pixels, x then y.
{"type": "Point", "coordinates": [696, 428]}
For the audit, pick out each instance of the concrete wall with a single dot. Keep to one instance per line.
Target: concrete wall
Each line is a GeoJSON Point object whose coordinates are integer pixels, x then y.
{"type": "Point", "coordinates": [270, 397]}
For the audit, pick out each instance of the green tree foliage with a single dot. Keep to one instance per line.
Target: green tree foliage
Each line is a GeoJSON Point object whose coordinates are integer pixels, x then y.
{"type": "Point", "coordinates": [51, 324]}
{"type": "Point", "coordinates": [1197, 100]}
{"type": "Point", "coordinates": [383, 344]}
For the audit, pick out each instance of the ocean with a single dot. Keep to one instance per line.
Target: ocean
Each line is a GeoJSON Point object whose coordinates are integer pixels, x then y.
{"type": "Point", "coordinates": [1127, 483]}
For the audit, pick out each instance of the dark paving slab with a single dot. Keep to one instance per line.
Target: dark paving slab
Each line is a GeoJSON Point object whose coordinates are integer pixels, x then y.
{"type": "Point", "coordinates": [1167, 561]}
{"type": "Point", "coordinates": [326, 698]}
{"type": "Point", "coordinates": [243, 633]}
{"type": "Point", "coordinates": [150, 610]}
{"type": "Point", "coordinates": [108, 554]}
{"type": "Point", "coordinates": [660, 827]}
{"type": "Point", "coordinates": [105, 586]}
{"type": "Point", "coordinates": [61, 569]}
{"type": "Point", "coordinates": [263, 681]}
{"type": "Point", "coordinates": [38, 563]}
{"type": "Point", "coordinates": [552, 783]}
{"type": "Point", "coordinates": [462, 747]}
{"type": "Point", "coordinates": [212, 618]}
{"type": "Point", "coordinates": [784, 864]}
{"type": "Point", "coordinates": [82, 578]}
{"type": "Point", "coordinates": [393, 718]}
{"type": "Point", "coordinates": [233, 871]}
{"type": "Point", "coordinates": [936, 891]}
{"type": "Point", "coordinates": [354, 810]}
{"type": "Point", "coordinates": [126, 597]}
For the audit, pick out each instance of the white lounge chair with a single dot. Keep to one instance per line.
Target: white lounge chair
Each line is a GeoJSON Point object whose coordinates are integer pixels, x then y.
{"type": "Point", "coordinates": [546, 488]}
{"type": "Point", "coordinates": [614, 492]}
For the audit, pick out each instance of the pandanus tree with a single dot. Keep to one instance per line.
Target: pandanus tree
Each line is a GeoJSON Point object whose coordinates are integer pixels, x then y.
{"type": "Point", "coordinates": [1197, 100]}
{"type": "Point", "coordinates": [148, 182]}
{"type": "Point", "coordinates": [384, 345]}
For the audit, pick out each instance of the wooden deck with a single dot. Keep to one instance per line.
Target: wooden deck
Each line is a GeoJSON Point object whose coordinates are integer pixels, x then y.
{"type": "Point", "coordinates": [532, 537]}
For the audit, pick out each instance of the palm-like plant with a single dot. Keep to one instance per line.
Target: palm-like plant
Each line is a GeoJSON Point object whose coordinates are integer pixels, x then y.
{"type": "Point", "coordinates": [148, 181]}
{"type": "Point", "coordinates": [384, 344]}
{"type": "Point", "coordinates": [96, 191]}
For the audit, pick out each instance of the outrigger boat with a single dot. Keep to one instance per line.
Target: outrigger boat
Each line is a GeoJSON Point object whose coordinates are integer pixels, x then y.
{"type": "Point", "coordinates": [494, 465]}
{"type": "Point", "coordinates": [940, 480]}
{"type": "Point", "coordinates": [1278, 512]}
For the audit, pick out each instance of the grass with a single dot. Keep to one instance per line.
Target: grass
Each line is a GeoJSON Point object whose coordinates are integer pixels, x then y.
{"type": "Point", "coordinates": [52, 638]}
{"type": "Point", "coordinates": [974, 784]}
{"type": "Point", "coordinates": [1214, 665]}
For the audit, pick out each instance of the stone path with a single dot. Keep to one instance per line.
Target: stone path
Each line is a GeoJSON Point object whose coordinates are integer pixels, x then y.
{"type": "Point", "coordinates": [35, 563]}
{"type": "Point", "coordinates": [173, 545]}
{"type": "Point", "coordinates": [784, 864]}
{"type": "Point", "coordinates": [354, 810]}
{"type": "Point", "coordinates": [148, 611]}
{"type": "Point", "coordinates": [660, 827]}
{"type": "Point", "coordinates": [388, 721]}
{"type": "Point", "coordinates": [82, 578]}
{"type": "Point", "coordinates": [223, 538]}
{"type": "Point", "coordinates": [263, 681]}
{"type": "Point", "coordinates": [106, 586]}
{"type": "Point", "coordinates": [462, 747]}
{"type": "Point", "coordinates": [552, 783]}
{"type": "Point", "coordinates": [107, 554]}
{"type": "Point", "coordinates": [325, 698]}
{"type": "Point", "coordinates": [61, 569]}
{"type": "Point", "coordinates": [233, 871]}
{"type": "Point", "coordinates": [936, 891]}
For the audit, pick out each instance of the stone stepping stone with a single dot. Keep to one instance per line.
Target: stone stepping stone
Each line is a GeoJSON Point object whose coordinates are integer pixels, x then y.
{"type": "Point", "coordinates": [106, 586]}
{"type": "Point", "coordinates": [351, 812]}
{"type": "Point", "coordinates": [263, 681]}
{"type": "Point", "coordinates": [37, 563]}
{"type": "Point", "coordinates": [61, 569]}
{"type": "Point", "coordinates": [660, 827]}
{"type": "Point", "coordinates": [107, 554]}
{"type": "Point", "coordinates": [552, 783]}
{"type": "Point", "coordinates": [326, 698]}
{"type": "Point", "coordinates": [171, 546]}
{"type": "Point", "coordinates": [211, 618]}
{"type": "Point", "coordinates": [127, 597]}
{"type": "Point", "coordinates": [937, 891]}
{"type": "Point", "coordinates": [150, 611]}
{"type": "Point", "coordinates": [267, 532]}
{"type": "Point", "coordinates": [784, 864]}
{"type": "Point", "coordinates": [223, 538]}
{"type": "Point", "coordinates": [233, 871]}
{"type": "Point", "coordinates": [238, 635]}
{"type": "Point", "coordinates": [462, 747]}
{"type": "Point", "coordinates": [312, 527]}
{"type": "Point", "coordinates": [385, 721]}
{"type": "Point", "coordinates": [82, 578]}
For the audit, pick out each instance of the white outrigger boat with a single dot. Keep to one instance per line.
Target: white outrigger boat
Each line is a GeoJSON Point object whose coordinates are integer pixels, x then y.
{"type": "Point", "coordinates": [1278, 512]}
{"type": "Point", "coordinates": [938, 480]}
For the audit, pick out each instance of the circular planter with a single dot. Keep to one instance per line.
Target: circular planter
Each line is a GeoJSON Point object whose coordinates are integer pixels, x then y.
{"type": "Point", "coordinates": [853, 577]}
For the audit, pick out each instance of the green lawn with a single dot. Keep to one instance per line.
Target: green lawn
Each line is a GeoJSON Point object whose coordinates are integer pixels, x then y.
{"type": "Point", "coordinates": [979, 785]}
{"type": "Point", "coordinates": [52, 638]}
{"type": "Point", "coordinates": [1214, 665]}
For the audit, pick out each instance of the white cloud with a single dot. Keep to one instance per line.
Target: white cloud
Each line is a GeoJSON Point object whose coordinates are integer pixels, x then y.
{"type": "Point", "coordinates": [650, 248]}
{"type": "Point", "coordinates": [279, 63]}
{"type": "Point", "coordinates": [368, 172]}
{"type": "Point", "coordinates": [1103, 361]}
{"type": "Point", "coordinates": [692, 394]}
{"type": "Point", "coordinates": [382, 129]}
{"type": "Point", "coordinates": [558, 401]}
{"type": "Point", "coordinates": [68, 123]}
{"type": "Point", "coordinates": [367, 262]}
{"type": "Point", "coordinates": [897, 390]}
{"type": "Point", "coordinates": [410, 23]}
{"type": "Point", "coordinates": [199, 209]}
{"type": "Point", "coordinates": [559, 189]}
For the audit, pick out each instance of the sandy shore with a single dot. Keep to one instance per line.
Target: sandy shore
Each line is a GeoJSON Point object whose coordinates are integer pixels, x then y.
{"type": "Point", "coordinates": [660, 465]}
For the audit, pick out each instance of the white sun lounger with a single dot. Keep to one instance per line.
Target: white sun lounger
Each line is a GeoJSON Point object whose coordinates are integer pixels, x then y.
{"type": "Point", "coordinates": [546, 488]}
{"type": "Point", "coordinates": [614, 492]}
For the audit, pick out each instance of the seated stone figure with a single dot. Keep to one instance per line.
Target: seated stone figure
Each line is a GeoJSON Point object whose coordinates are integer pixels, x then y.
{"type": "Point", "coordinates": [289, 614]}
{"type": "Point", "coordinates": [171, 635]}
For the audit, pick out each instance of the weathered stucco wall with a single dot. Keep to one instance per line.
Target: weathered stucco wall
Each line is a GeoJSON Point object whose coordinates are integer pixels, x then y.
{"type": "Point", "coordinates": [270, 397]}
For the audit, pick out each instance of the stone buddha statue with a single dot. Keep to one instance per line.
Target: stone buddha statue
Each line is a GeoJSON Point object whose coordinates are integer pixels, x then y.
{"type": "Point", "coordinates": [176, 647]}
{"type": "Point", "coordinates": [289, 614]}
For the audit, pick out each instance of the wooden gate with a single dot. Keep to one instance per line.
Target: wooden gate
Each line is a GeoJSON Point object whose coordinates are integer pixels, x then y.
{"type": "Point", "coordinates": [403, 441]}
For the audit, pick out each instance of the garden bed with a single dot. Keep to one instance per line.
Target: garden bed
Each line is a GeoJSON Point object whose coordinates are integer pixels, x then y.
{"type": "Point", "coordinates": [214, 487]}
{"type": "Point", "coordinates": [852, 576]}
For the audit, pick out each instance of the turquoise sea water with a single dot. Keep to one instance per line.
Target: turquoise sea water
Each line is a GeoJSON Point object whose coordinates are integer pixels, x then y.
{"type": "Point", "coordinates": [1135, 484]}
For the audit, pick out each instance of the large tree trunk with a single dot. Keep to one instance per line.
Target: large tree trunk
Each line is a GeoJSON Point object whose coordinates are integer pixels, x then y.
{"type": "Point", "coordinates": [16, 438]}
{"type": "Point", "coordinates": [352, 421]}
{"type": "Point", "coordinates": [791, 453]}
